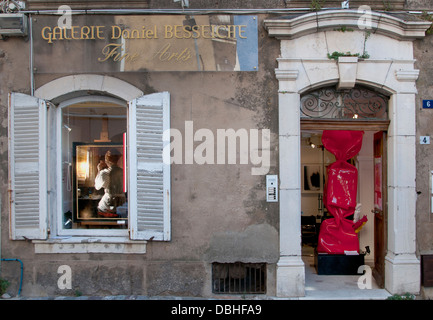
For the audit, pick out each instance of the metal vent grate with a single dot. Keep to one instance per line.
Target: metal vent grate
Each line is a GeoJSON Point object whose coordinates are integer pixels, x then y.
{"type": "Point", "coordinates": [239, 278]}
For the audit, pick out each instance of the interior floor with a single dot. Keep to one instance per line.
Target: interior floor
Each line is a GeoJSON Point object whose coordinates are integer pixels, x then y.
{"type": "Point", "coordinates": [335, 286]}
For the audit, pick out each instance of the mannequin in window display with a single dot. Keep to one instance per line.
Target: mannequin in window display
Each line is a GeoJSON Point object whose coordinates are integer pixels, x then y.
{"type": "Point", "coordinates": [110, 178]}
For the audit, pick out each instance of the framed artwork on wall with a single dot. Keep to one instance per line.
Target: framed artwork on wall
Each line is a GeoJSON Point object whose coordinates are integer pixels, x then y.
{"type": "Point", "coordinates": [312, 178]}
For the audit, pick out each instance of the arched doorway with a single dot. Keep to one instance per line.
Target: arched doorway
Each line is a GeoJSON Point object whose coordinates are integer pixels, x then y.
{"type": "Point", "coordinates": [362, 109]}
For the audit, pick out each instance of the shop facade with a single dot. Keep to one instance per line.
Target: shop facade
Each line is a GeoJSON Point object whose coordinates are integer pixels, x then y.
{"type": "Point", "coordinates": [202, 112]}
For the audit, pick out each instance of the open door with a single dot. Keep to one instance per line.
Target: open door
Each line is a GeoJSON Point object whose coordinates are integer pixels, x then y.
{"type": "Point", "coordinates": [380, 207]}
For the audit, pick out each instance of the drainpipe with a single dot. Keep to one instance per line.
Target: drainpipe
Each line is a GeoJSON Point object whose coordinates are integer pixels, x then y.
{"type": "Point", "coordinates": [32, 71]}
{"type": "Point", "coordinates": [1, 259]}
{"type": "Point", "coordinates": [1, 211]}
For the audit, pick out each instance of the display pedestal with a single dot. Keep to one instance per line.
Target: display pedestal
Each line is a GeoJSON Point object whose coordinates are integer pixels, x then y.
{"type": "Point", "coordinates": [338, 264]}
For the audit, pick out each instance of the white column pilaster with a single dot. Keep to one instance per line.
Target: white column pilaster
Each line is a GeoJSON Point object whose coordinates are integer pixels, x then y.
{"type": "Point", "coordinates": [402, 267]}
{"type": "Point", "coordinates": [290, 267]}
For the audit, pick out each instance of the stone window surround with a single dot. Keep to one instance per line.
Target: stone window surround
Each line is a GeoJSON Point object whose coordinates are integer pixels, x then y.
{"type": "Point", "coordinates": [57, 91]}
{"type": "Point", "coordinates": [296, 75]}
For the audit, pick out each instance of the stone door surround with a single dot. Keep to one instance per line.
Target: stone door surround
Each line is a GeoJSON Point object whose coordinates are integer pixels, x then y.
{"type": "Point", "coordinates": [306, 40]}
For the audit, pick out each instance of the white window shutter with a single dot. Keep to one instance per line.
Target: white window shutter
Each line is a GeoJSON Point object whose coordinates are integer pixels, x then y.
{"type": "Point", "coordinates": [149, 190]}
{"type": "Point", "coordinates": [28, 169]}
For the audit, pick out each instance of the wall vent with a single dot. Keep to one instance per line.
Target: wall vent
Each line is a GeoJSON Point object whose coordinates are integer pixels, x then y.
{"type": "Point", "coordinates": [239, 278]}
{"type": "Point", "coordinates": [13, 24]}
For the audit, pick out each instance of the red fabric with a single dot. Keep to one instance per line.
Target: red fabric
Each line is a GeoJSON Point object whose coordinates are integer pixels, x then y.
{"type": "Point", "coordinates": [337, 234]}
{"type": "Point", "coordinates": [341, 185]}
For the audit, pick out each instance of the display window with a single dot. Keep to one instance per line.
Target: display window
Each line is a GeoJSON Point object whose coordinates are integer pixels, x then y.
{"type": "Point", "coordinates": [94, 166]}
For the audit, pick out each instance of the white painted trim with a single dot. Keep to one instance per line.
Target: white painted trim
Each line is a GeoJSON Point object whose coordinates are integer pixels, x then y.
{"type": "Point", "coordinates": [83, 99]}
{"type": "Point", "coordinates": [88, 82]}
{"type": "Point", "coordinates": [90, 245]}
{"type": "Point", "coordinates": [132, 167]}
{"type": "Point", "coordinates": [167, 169]}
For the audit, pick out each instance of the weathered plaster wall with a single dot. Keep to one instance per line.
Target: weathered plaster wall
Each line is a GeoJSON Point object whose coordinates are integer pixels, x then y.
{"type": "Point", "coordinates": [14, 75]}
{"type": "Point", "coordinates": [219, 212]}
{"type": "Point", "coordinates": [423, 52]}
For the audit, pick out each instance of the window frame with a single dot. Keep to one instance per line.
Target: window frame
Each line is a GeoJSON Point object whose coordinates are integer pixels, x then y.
{"type": "Point", "coordinates": [58, 212]}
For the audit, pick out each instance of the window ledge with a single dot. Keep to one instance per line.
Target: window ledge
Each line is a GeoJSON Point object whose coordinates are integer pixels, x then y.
{"type": "Point", "coordinates": [90, 245]}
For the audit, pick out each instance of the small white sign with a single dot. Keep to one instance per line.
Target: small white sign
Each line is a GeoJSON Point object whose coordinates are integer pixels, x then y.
{"type": "Point", "coordinates": [424, 140]}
